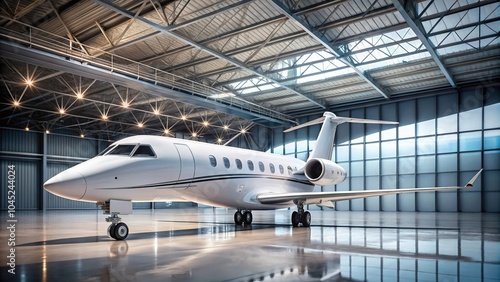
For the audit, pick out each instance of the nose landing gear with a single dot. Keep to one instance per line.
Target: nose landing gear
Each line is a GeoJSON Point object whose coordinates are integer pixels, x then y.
{"type": "Point", "coordinates": [117, 230]}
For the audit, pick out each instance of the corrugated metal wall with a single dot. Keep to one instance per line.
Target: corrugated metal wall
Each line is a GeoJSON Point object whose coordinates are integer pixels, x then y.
{"type": "Point", "coordinates": [24, 149]}
{"type": "Point", "coordinates": [19, 141]}
{"type": "Point", "coordinates": [70, 146]}
{"type": "Point", "coordinates": [27, 176]}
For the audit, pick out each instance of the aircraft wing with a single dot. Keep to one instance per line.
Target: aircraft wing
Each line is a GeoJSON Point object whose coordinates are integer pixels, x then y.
{"type": "Point", "coordinates": [321, 198]}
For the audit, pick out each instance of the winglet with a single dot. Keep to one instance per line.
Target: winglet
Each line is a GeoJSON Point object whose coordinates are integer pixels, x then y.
{"type": "Point", "coordinates": [469, 184]}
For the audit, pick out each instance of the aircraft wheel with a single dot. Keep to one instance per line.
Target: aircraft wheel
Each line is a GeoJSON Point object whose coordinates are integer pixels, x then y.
{"type": "Point", "coordinates": [306, 219]}
{"type": "Point", "coordinates": [295, 219]}
{"type": "Point", "coordinates": [111, 230]}
{"type": "Point", "coordinates": [121, 231]}
{"type": "Point", "coordinates": [238, 218]}
{"type": "Point", "coordinates": [248, 217]}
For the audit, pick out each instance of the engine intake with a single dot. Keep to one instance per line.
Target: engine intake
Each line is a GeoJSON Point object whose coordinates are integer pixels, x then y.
{"type": "Point", "coordinates": [324, 172]}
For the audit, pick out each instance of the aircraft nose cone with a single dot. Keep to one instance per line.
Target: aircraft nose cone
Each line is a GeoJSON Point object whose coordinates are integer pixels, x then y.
{"type": "Point", "coordinates": [67, 184]}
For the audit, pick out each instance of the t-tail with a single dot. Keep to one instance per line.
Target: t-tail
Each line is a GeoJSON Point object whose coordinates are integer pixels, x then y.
{"type": "Point", "coordinates": [324, 143]}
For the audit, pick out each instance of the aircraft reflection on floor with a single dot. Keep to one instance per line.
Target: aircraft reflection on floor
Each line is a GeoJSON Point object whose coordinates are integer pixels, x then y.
{"type": "Point", "coordinates": [174, 248]}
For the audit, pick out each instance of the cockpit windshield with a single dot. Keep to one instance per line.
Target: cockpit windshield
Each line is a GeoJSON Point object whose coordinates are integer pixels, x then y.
{"type": "Point", "coordinates": [134, 150]}
{"type": "Point", "coordinates": [144, 151]}
{"type": "Point", "coordinates": [122, 150]}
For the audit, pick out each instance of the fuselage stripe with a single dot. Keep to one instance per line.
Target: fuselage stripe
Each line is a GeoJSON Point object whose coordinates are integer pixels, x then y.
{"type": "Point", "coordinates": [192, 181]}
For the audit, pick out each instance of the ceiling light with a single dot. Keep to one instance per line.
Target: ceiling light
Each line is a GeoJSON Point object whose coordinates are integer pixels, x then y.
{"type": "Point", "coordinates": [183, 117]}
{"type": "Point", "coordinates": [140, 124]}
{"type": "Point", "coordinates": [82, 135]}
{"type": "Point", "coordinates": [205, 123]}
{"type": "Point", "coordinates": [166, 131]}
{"type": "Point", "coordinates": [226, 127]}
{"type": "Point", "coordinates": [104, 117]}
{"type": "Point", "coordinates": [27, 128]}
{"type": "Point", "coordinates": [194, 134]}
{"type": "Point", "coordinates": [79, 95]}
{"type": "Point", "coordinates": [156, 112]}
{"type": "Point", "coordinates": [16, 103]}
{"type": "Point", "coordinates": [61, 111]}
{"type": "Point", "coordinates": [125, 104]}
{"type": "Point", "coordinates": [29, 82]}
{"type": "Point", "coordinates": [243, 130]}
{"type": "Point", "coordinates": [47, 131]}
{"type": "Point", "coordinates": [219, 140]}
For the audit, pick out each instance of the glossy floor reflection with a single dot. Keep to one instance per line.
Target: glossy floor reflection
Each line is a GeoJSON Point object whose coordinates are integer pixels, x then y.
{"type": "Point", "coordinates": [204, 245]}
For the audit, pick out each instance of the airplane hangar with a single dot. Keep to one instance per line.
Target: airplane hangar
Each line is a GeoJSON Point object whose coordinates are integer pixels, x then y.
{"type": "Point", "coordinates": [77, 76]}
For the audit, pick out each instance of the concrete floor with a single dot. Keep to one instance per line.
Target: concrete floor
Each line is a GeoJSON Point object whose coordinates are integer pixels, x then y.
{"type": "Point", "coordinates": [205, 245]}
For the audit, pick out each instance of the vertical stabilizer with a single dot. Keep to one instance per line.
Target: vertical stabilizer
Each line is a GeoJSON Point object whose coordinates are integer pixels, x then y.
{"type": "Point", "coordinates": [324, 143]}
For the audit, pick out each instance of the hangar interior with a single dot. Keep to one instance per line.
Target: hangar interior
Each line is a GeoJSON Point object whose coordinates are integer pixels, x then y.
{"type": "Point", "coordinates": [79, 75]}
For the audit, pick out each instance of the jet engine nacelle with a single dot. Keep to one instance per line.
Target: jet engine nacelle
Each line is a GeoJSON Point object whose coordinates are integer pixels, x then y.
{"type": "Point", "coordinates": [324, 172]}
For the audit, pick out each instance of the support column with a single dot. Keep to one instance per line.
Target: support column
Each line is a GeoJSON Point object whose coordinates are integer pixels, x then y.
{"type": "Point", "coordinates": [44, 173]}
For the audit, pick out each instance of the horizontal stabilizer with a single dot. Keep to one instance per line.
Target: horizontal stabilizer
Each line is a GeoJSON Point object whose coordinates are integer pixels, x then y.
{"type": "Point", "coordinates": [309, 123]}
{"type": "Point", "coordinates": [361, 120]}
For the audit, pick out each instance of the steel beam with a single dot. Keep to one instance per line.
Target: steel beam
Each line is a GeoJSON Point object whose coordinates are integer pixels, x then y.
{"type": "Point", "coordinates": [329, 46]}
{"type": "Point", "coordinates": [409, 13]}
{"type": "Point", "coordinates": [44, 59]}
{"type": "Point", "coordinates": [198, 46]}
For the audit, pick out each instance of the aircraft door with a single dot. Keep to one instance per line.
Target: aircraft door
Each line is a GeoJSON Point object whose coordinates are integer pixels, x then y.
{"type": "Point", "coordinates": [187, 166]}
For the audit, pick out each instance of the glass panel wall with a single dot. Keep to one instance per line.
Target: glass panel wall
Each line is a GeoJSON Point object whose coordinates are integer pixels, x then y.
{"type": "Point", "coordinates": [441, 140]}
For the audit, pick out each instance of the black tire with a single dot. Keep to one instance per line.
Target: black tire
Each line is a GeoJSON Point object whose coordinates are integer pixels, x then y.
{"type": "Point", "coordinates": [306, 219]}
{"type": "Point", "coordinates": [238, 218]}
{"type": "Point", "coordinates": [111, 230]}
{"type": "Point", "coordinates": [248, 217]}
{"type": "Point", "coordinates": [295, 219]}
{"type": "Point", "coordinates": [121, 231]}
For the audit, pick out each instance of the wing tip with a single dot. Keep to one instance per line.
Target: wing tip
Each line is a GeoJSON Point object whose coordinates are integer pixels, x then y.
{"type": "Point", "coordinates": [471, 182]}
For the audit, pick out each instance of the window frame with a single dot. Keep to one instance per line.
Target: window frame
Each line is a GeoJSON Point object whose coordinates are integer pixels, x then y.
{"type": "Point", "coordinates": [118, 145]}
{"type": "Point", "coordinates": [250, 165]}
{"type": "Point", "coordinates": [213, 160]}
{"type": "Point", "coordinates": [239, 164]}
{"type": "Point", "coordinates": [262, 167]}
{"type": "Point", "coordinates": [105, 151]}
{"type": "Point", "coordinates": [227, 162]}
{"type": "Point", "coordinates": [272, 168]}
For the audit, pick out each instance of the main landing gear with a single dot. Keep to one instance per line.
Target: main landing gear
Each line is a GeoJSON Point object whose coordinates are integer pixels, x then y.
{"type": "Point", "coordinates": [301, 216]}
{"type": "Point", "coordinates": [245, 217]}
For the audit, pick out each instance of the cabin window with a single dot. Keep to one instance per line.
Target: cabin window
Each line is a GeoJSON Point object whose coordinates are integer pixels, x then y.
{"type": "Point", "coordinates": [122, 150]}
{"type": "Point", "coordinates": [261, 166]}
{"type": "Point", "coordinates": [282, 170]}
{"type": "Point", "coordinates": [250, 165]}
{"type": "Point", "coordinates": [144, 151]}
{"type": "Point", "coordinates": [271, 167]}
{"type": "Point", "coordinates": [106, 150]}
{"type": "Point", "coordinates": [239, 165]}
{"type": "Point", "coordinates": [289, 168]}
{"type": "Point", "coordinates": [213, 160]}
{"type": "Point", "coordinates": [227, 164]}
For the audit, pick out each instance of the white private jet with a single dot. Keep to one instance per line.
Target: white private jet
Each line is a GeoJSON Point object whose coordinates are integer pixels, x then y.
{"type": "Point", "coordinates": [154, 168]}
